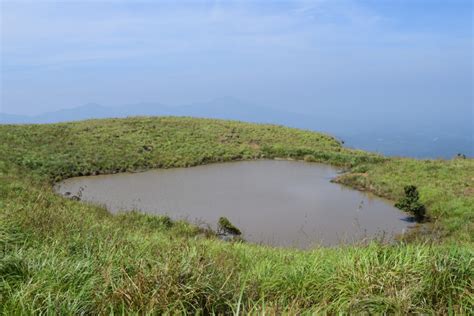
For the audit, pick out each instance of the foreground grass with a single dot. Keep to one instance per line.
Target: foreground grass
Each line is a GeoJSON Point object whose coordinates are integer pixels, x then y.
{"type": "Point", "coordinates": [62, 256]}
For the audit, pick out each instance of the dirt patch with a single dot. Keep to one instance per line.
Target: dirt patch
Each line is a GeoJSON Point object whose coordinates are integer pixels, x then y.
{"type": "Point", "coordinates": [254, 145]}
{"type": "Point", "coordinates": [469, 191]}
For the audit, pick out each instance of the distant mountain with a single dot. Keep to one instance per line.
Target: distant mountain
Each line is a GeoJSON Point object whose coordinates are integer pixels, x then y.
{"type": "Point", "coordinates": [222, 108]}
{"type": "Point", "coordinates": [6, 118]}
{"type": "Point", "coordinates": [235, 109]}
{"type": "Point", "coordinates": [391, 136]}
{"type": "Point", "coordinates": [88, 111]}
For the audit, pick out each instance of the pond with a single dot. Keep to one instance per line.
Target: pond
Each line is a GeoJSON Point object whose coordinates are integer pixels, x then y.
{"type": "Point", "coordinates": [278, 203]}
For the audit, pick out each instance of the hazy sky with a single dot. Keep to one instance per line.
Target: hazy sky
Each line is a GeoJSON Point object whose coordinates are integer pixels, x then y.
{"type": "Point", "coordinates": [372, 56]}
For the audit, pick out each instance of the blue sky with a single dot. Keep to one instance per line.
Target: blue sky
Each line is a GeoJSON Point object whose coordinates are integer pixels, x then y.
{"type": "Point", "coordinates": [376, 57]}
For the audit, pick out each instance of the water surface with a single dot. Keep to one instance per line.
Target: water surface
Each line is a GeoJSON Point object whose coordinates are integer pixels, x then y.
{"type": "Point", "coordinates": [280, 203]}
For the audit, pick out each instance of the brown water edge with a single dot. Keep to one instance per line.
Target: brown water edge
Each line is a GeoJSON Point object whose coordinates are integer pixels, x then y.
{"type": "Point", "coordinates": [273, 202]}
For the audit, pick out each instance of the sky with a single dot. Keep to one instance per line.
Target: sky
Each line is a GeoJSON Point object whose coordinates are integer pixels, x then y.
{"type": "Point", "coordinates": [374, 58]}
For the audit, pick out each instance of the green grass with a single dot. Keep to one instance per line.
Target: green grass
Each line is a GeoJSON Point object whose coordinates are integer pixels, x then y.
{"type": "Point", "coordinates": [65, 257]}
{"type": "Point", "coordinates": [64, 150]}
{"type": "Point", "coordinates": [446, 188]}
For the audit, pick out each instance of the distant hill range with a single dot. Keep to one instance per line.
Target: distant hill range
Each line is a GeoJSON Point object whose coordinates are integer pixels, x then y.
{"type": "Point", "coordinates": [425, 139]}
{"type": "Point", "coordinates": [223, 108]}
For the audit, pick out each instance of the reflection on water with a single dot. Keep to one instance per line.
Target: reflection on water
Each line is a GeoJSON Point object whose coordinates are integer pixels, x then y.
{"type": "Point", "coordinates": [281, 203]}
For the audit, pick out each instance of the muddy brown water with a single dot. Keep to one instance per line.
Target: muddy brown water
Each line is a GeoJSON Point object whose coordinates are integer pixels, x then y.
{"type": "Point", "coordinates": [279, 203]}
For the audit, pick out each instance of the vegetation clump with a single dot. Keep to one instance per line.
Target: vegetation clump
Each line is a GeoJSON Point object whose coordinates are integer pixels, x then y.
{"type": "Point", "coordinates": [224, 226]}
{"type": "Point", "coordinates": [309, 158]}
{"type": "Point", "coordinates": [411, 202]}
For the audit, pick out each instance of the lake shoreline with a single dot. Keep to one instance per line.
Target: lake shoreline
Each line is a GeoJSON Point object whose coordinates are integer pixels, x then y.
{"type": "Point", "coordinates": [205, 178]}
{"type": "Point", "coordinates": [64, 255]}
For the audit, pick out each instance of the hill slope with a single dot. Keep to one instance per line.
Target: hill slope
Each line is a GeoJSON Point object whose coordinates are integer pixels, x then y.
{"type": "Point", "coordinates": [64, 256]}
{"type": "Point", "coordinates": [391, 134]}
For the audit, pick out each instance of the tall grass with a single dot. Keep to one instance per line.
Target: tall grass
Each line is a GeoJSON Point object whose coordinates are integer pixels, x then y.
{"type": "Point", "coordinates": [59, 256]}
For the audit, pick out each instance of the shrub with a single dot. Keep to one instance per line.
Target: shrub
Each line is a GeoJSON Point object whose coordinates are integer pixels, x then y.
{"type": "Point", "coordinates": [224, 226]}
{"type": "Point", "coordinates": [410, 202]}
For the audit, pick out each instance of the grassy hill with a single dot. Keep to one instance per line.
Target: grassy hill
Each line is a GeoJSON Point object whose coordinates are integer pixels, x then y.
{"type": "Point", "coordinates": [63, 256]}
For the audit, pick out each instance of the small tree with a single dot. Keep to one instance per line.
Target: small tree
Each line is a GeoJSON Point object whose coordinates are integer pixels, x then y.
{"type": "Point", "coordinates": [411, 202]}
{"type": "Point", "coordinates": [226, 227]}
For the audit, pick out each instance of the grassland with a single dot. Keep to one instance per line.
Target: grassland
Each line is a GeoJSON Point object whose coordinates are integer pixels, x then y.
{"type": "Point", "coordinates": [66, 257]}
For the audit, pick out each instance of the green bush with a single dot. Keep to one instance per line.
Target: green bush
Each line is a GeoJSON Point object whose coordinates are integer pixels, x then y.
{"type": "Point", "coordinates": [410, 202]}
{"type": "Point", "coordinates": [226, 227]}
